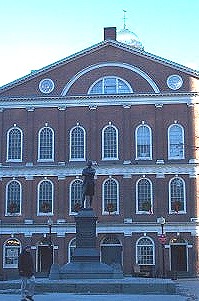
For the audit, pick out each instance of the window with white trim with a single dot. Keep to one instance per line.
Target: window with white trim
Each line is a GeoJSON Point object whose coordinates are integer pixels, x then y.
{"type": "Point", "coordinates": [110, 85]}
{"type": "Point", "coordinates": [144, 196]}
{"type": "Point", "coordinates": [71, 249]}
{"type": "Point", "coordinates": [145, 251]}
{"type": "Point", "coordinates": [110, 143]}
{"type": "Point", "coordinates": [11, 251]}
{"type": "Point", "coordinates": [110, 196]}
{"type": "Point", "coordinates": [143, 136]}
{"type": "Point", "coordinates": [76, 192]}
{"type": "Point", "coordinates": [46, 144]}
{"type": "Point", "coordinates": [13, 198]}
{"type": "Point", "coordinates": [77, 143]}
{"type": "Point", "coordinates": [45, 197]}
{"type": "Point", "coordinates": [175, 142]}
{"type": "Point", "coordinates": [177, 195]}
{"type": "Point", "coordinates": [14, 144]}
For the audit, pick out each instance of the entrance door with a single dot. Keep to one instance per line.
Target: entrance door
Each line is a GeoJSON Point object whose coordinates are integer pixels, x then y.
{"type": "Point", "coordinates": [179, 258]}
{"type": "Point", "coordinates": [45, 258]}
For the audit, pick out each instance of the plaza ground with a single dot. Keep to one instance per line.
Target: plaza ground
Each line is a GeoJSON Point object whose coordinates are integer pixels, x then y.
{"type": "Point", "coordinates": [186, 290]}
{"type": "Point", "coordinates": [79, 297]}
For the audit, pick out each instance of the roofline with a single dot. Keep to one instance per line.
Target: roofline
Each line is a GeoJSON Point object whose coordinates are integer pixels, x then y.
{"type": "Point", "coordinates": [92, 48]}
{"type": "Point", "coordinates": [164, 61]}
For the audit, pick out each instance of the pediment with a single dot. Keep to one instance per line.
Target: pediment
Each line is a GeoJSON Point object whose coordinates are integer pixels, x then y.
{"type": "Point", "coordinates": [73, 75]}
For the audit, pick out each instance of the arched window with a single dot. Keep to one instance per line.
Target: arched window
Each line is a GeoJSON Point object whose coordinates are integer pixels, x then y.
{"type": "Point", "coordinates": [14, 144]}
{"type": "Point", "coordinates": [13, 198]}
{"type": "Point", "coordinates": [143, 137]}
{"type": "Point", "coordinates": [77, 143]}
{"type": "Point", "coordinates": [46, 144]}
{"type": "Point", "coordinates": [110, 143]}
{"type": "Point", "coordinates": [110, 85]}
{"type": "Point", "coordinates": [76, 196]}
{"type": "Point", "coordinates": [11, 251]}
{"type": "Point", "coordinates": [175, 142]}
{"type": "Point", "coordinates": [45, 197]}
{"type": "Point", "coordinates": [110, 196]}
{"type": "Point", "coordinates": [144, 196]}
{"type": "Point", "coordinates": [71, 249]}
{"type": "Point", "coordinates": [177, 196]}
{"type": "Point", "coordinates": [145, 251]}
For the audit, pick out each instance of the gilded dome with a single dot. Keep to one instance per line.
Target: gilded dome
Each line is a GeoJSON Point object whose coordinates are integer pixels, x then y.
{"type": "Point", "coordinates": [130, 38]}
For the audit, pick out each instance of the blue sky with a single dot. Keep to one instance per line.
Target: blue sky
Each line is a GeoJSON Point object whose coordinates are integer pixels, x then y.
{"type": "Point", "coordinates": [36, 33]}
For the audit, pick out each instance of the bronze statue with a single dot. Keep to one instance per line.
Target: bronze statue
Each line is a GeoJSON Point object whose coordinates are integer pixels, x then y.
{"type": "Point", "coordinates": [88, 185]}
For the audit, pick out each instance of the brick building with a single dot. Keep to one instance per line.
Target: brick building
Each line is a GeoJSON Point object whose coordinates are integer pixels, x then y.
{"type": "Point", "coordinates": [135, 115]}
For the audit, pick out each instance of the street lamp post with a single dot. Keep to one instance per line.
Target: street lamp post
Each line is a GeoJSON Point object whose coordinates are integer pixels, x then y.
{"type": "Point", "coordinates": [162, 239]}
{"type": "Point", "coordinates": [50, 223]}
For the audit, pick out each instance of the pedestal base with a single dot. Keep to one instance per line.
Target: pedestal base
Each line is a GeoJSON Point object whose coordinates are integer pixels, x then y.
{"type": "Point", "coordinates": [86, 255]}
{"type": "Point", "coordinates": [85, 263]}
{"type": "Point", "coordinates": [86, 270]}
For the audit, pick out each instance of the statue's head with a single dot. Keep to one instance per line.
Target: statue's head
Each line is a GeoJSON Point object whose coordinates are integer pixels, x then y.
{"type": "Point", "coordinates": [89, 163]}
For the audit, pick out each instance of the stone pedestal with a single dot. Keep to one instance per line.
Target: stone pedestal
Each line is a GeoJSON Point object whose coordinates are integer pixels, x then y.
{"type": "Point", "coordinates": [86, 259]}
{"type": "Point", "coordinates": [86, 237]}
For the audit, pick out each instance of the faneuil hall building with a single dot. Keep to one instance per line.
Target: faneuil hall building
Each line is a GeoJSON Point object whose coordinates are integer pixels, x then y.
{"type": "Point", "coordinates": [135, 116]}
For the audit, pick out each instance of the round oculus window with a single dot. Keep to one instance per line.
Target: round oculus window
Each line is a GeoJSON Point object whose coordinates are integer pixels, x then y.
{"type": "Point", "coordinates": [46, 85]}
{"type": "Point", "coordinates": [174, 82]}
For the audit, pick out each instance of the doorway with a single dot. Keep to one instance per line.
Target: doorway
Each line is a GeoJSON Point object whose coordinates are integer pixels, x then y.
{"type": "Point", "coordinates": [178, 249]}
{"type": "Point", "coordinates": [44, 258]}
{"type": "Point", "coordinates": [111, 251]}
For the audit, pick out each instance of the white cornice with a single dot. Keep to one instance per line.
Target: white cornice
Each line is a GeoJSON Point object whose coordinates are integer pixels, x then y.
{"type": "Point", "coordinates": [126, 229]}
{"type": "Point", "coordinates": [97, 100]}
{"type": "Point", "coordinates": [124, 170]}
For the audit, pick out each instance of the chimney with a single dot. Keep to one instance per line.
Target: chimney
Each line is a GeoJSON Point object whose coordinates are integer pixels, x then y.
{"type": "Point", "coordinates": [110, 33]}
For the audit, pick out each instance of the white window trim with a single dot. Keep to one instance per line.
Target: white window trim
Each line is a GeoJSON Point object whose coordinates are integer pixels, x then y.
{"type": "Point", "coordinates": [151, 188]}
{"type": "Point", "coordinates": [70, 188]}
{"type": "Point", "coordinates": [53, 145]}
{"type": "Point", "coordinates": [84, 156]}
{"type": "Point", "coordinates": [150, 157]}
{"type": "Point", "coordinates": [152, 244]}
{"type": "Point", "coordinates": [38, 188]}
{"type": "Point", "coordinates": [6, 207]}
{"type": "Point", "coordinates": [69, 248]}
{"type": "Point", "coordinates": [116, 212]}
{"type": "Point", "coordinates": [117, 142]}
{"type": "Point", "coordinates": [7, 146]}
{"type": "Point", "coordinates": [168, 142]}
{"type": "Point", "coordinates": [185, 202]}
{"type": "Point", "coordinates": [10, 266]}
{"type": "Point", "coordinates": [107, 77]}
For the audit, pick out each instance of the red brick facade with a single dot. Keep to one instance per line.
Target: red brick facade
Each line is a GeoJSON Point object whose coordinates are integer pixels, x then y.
{"type": "Point", "coordinates": [152, 103]}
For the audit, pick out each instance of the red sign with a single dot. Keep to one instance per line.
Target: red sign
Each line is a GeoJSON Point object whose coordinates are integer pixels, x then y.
{"type": "Point", "coordinates": [162, 238]}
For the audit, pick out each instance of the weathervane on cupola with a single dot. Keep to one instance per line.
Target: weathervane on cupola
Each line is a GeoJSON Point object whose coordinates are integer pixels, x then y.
{"type": "Point", "coordinates": [124, 18]}
{"type": "Point", "coordinates": [128, 37]}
